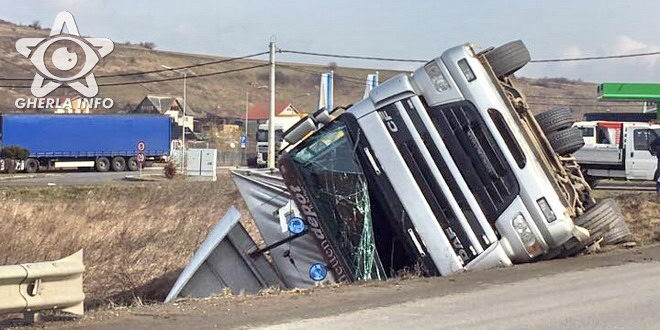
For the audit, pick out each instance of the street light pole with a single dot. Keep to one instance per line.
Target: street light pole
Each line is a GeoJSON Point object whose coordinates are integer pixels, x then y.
{"type": "Point", "coordinates": [247, 107]}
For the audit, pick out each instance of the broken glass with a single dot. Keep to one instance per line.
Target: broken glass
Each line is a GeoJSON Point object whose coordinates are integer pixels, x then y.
{"type": "Point", "coordinates": [336, 182]}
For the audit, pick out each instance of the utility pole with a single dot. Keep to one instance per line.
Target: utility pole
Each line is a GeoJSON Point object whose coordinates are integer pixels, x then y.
{"type": "Point", "coordinates": [183, 117]}
{"type": "Point", "coordinates": [183, 131]}
{"type": "Point", "coordinates": [271, 114]}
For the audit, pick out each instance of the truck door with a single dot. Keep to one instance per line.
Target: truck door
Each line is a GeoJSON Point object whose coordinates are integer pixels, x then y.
{"type": "Point", "coordinates": [640, 164]}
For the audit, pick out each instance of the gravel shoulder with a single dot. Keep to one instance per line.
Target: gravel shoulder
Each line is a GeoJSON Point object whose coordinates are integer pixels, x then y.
{"type": "Point", "coordinates": [278, 307]}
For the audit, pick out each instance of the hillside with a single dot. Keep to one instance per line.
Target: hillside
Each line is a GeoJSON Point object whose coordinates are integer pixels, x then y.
{"type": "Point", "coordinates": [298, 85]}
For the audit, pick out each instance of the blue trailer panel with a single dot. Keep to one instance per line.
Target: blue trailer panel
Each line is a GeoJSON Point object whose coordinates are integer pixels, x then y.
{"type": "Point", "coordinates": [55, 135]}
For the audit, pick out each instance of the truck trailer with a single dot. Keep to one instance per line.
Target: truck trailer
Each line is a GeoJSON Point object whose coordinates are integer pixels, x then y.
{"type": "Point", "coordinates": [104, 142]}
{"type": "Point", "coordinates": [443, 170]}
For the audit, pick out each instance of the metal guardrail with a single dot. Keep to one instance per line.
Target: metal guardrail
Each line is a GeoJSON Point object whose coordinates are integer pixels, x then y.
{"type": "Point", "coordinates": [222, 261]}
{"type": "Point", "coordinates": [34, 287]}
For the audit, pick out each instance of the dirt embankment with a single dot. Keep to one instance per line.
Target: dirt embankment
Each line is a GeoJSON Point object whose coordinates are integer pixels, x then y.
{"type": "Point", "coordinates": [642, 211]}
{"type": "Point", "coordinates": [136, 238]}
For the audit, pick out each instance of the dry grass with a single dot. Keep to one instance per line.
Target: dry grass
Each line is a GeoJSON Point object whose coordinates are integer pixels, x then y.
{"type": "Point", "coordinates": [136, 238]}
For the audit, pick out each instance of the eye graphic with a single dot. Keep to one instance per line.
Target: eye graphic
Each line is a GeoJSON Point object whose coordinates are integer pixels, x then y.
{"type": "Point", "coordinates": [64, 58]}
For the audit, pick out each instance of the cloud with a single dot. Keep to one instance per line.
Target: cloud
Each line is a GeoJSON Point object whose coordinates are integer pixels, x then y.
{"type": "Point", "coordinates": [634, 69]}
{"type": "Point", "coordinates": [624, 44]}
{"type": "Point", "coordinates": [572, 52]}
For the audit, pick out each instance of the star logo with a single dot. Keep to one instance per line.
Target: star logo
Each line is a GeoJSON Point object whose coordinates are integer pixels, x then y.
{"type": "Point", "coordinates": [64, 58]}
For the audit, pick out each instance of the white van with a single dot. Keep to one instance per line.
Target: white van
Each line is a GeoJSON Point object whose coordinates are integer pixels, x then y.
{"type": "Point", "coordinates": [618, 150]}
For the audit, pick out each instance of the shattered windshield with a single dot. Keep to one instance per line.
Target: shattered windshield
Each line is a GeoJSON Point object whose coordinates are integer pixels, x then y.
{"type": "Point", "coordinates": [335, 180]}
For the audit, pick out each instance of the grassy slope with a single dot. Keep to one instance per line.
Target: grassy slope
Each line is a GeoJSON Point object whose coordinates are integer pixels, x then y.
{"type": "Point", "coordinates": [227, 92]}
{"type": "Point", "coordinates": [136, 239]}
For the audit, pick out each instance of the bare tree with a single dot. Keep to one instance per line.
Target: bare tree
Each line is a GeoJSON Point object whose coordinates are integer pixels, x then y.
{"type": "Point", "coordinates": [35, 24]}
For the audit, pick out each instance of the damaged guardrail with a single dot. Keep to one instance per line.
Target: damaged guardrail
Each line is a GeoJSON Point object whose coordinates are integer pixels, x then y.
{"type": "Point", "coordinates": [223, 260]}
{"type": "Point", "coordinates": [34, 287]}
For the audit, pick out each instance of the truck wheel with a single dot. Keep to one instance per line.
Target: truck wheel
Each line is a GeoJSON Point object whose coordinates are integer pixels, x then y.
{"type": "Point", "coordinates": [508, 58]}
{"type": "Point", "coordinates": [604, 220]}
{"type": "Point", "coordinates": [132, 164]}
{"type": "Point", "coordinates": [31, 165]}
{"type": "Point", "coordinates": [555, 120]}
{"type": "Point", "coordinates": [102, 164]}
{"type": "Point", "coordinates": [119, 164]}
{"type": "Point", "coordinates": [566, 142]}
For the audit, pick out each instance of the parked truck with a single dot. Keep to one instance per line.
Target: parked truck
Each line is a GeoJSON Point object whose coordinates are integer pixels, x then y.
{"type": "Point", "coordinates": [104, 142]}
{"type": "Point", "coordinates": [618, 150]}
{"type": "Point", "coordinates": [444, 170]}
{"type": "Point", "coordinates": [282, 123]}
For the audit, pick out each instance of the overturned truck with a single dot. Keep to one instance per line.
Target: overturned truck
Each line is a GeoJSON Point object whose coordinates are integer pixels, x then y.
{"type": "Point", "coordinates": [443, 170]}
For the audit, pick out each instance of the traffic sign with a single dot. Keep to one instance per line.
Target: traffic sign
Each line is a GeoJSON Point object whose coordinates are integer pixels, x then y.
{"type": "Point", "coordinates": [244, 141]}
{"type": "Point", "coordinates": [140, 157]}
{"type": "Point", "coordinates": [141, 145]}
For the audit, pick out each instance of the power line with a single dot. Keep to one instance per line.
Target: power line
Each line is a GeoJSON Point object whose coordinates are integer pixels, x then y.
{"type": "Point", "coordinates": [352, 80]}
{"type": "Point", "coordinates": [584, 105]}
{"type": "Point", "coordinates": [562, 97]}
{"type": "Point", "coordinates": [591, 58]}
{"type": "Point", "coordinates": [158, 70]}
{"type": "Point", "coordinates": [165, 79]}
{"type": "Point", "coordinates": [390, 59]}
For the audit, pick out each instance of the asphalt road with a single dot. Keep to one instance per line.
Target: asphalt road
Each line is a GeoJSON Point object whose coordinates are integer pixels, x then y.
{"type": "Point", "coordinates": [81, 177]}
{"type": "Point", "coordinates": [619, 297]}
{"type": "Point", "coordinates": [614, 290]}
{"type": "Point", "coordinates": [70, 178]}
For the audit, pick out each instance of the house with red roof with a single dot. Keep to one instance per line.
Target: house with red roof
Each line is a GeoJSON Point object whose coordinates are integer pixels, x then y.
{"type": "Point", "coordinates": [258, 112]}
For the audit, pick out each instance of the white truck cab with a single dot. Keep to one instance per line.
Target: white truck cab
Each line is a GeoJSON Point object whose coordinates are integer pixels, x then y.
{"type": "Point", "coordinates": [442, 170]}
{"type": "Point", "coordinates": [619, 150]}
{"type": "Point", "coordinates": [282, 123]}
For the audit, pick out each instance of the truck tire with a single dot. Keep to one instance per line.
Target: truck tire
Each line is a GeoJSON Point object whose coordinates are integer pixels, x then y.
{"type": "Point", "coordinates": [102, 164]}
{"type": "Point", "coordinates": [118, 164]}
{"type": "Point", "coordinates": [132, 164]}
{"type": "Point", "coordinates": [566, 142]}
{"type": "Point", "coordinates": [602, 219]}
{"type": "Point", "coordinates": [508, 58]}
{"type": "Point", "coordinates": [31, 165]}
{"type": "Point", "coordinates": [619, 234]}
{"type": "Point", "coordinates": [555, 120]}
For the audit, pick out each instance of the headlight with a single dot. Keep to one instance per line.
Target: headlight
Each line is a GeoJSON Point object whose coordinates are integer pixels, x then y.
{"type": "Point", "coordinates": [528, 238]}
{"type": "Point", "coordinates": [547, 211]}
{"type": "Point", "coordinates": [437, 78]}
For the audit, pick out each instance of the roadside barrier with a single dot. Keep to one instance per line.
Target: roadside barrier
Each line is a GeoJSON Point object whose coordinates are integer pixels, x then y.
{"type": "Point", "coordinates": [50, 285]}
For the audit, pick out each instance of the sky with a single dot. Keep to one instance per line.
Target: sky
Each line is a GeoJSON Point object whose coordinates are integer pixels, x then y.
{"type": "Point", "coordinates": [385, 28]}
